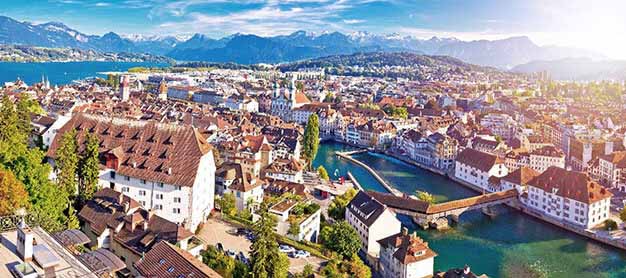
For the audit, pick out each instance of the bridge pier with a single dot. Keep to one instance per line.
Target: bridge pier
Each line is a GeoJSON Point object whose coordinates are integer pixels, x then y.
{"type": "Point", "coordinates": [455, 218]}
{"type": "Point", "coordinates": [422, 223]}
{"type": "Point", "coordinates": [489, 212]}
{"type": "Point", "coordinates": [440, 224]}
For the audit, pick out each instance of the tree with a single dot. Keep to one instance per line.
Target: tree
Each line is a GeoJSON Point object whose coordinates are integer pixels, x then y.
{"type": "Point", "coordinates": [342, 238]}
{"type": "Point", "coordinates": [322, 172]}
{"type": "Point", "coordinates": [219, 262]}
{"type": "Point", "coordinates": [227, 204]}
{"type": "Point", "coordinates": [356, 268]}
{"type": "Point", "coordinates": [266, 260]}
{"type": "Point", "coordinates": [72, 218]}
{"type": "Point", "coordinates": [426, 197]}
{"type": "Point", "coordinates": [89, 169]}
{"type": "Point", "coordinates": [13, 195]}
{"type": "Point", "coordinates": [294, 226]}
{"type": "Point", "coordinates": [12, 136]}
{"type": "Point", "coordinates": [307, 272]}
{"type": "Point", "coordinates": [610, 225]}
{"type": "Point", "coordinates": [311, 139]}
{"type": "Point", "coordinates": [622, 214]}
{"type": "Point", "coordinates": [67, 162]}
{"type": "Point", "coordinates": [329, 97]}
{"type": "Point", "coordinates": [337, 209]}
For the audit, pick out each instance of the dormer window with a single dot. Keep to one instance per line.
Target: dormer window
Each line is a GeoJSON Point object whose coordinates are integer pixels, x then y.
{"type": "Point", "coordinates": [170, 269]}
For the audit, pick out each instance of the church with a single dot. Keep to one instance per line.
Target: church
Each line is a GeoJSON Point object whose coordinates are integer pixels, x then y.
{"type": "Point", "coordinates": [286, 99]}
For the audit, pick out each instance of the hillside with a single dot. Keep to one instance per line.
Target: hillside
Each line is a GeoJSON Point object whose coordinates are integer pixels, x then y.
{"type": "Point", "coordinates": [577, 69]}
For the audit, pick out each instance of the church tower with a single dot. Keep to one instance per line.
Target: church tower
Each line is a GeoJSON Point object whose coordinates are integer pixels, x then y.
{"type": "Point", "coordinates": [124, 87]}
{"type": "Point", "coordinates": [163, 90]}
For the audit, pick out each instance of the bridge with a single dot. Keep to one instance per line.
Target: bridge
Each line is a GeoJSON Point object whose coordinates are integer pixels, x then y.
{"type": "Point", "coordinates": [425, 213]}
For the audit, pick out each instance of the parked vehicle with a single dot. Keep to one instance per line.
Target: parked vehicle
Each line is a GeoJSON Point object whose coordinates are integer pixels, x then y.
{"type": "Point", "coordinates": [301, 254]}
{"type": "Point", "coordinates": [286, 248]}
{"type": "Point", "coordinates": [231, 253]}
{"type": "Point", "coordinates": [219, 247]}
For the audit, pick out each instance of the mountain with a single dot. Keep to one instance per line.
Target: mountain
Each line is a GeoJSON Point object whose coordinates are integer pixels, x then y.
{"type": "Point", "coordinates": [505, 53]}
{"type": "Point", "coordinates": [577, 69]}
{"type": "Point", "coordinates": [21, 53]}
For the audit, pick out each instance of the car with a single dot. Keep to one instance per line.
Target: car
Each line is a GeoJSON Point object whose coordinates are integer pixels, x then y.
{"type": "Point", "coordinates": [301, 254]}
{"type": "Point", "coordinates": [220, 247]}
{"type": "Point", "coordinates": [242, 231]}
{"type": "Point", "coordinates": [286, 248]}
{"type": "Point", "coordinates": [250, 237]}
{"type": "Point", "coordinates": [231, 253]}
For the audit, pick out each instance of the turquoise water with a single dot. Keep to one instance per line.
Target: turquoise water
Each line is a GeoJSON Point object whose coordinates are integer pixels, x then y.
{"type": "Point", "coordinates": [510, 245]}
{"type": "Point", "coordinates": [62, 73]}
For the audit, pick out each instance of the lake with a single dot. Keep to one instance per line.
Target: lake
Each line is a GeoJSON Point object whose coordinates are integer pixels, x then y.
{"type": "Point", "coordinates": [60, 73]}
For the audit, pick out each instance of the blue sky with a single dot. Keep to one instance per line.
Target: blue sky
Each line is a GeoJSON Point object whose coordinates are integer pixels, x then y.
{"type": "Point", "coordinates": [597, 25]}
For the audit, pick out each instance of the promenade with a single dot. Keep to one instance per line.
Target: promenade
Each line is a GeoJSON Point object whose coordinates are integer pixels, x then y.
{"type": "Point", "coordinates": [347, 155]}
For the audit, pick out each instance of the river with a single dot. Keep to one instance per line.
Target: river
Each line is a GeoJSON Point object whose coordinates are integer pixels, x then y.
{"type": "Point", "coordinates": [510, 245]}
{"type": "Point", "coordinates": [63, 73]}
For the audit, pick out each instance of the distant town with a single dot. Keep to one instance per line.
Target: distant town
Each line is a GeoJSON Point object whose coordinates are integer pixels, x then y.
{"type": "Point", "coordinates": [208, 170]}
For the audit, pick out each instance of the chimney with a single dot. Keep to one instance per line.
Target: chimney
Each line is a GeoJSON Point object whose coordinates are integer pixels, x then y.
{"type": "Point", "coordinates": [169, 170]}
{"type": "Point", "coordinates": [405, 231]}
{"type": "Point", "coordinates": [150, 213]}
{"type": "Point", "coordinates": [120, 198]}
{"type": "Point", "coordinates": [126, 207]}
{"type": "Point", "coordinates": [145, 225]}
{"type": "Point", "coordinates": [25, 239]}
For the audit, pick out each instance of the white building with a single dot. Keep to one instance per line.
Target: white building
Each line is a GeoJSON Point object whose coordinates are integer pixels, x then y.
{"type": "Point", "coordinates": [476, 167]}
{"type": "Point", "coordinates": [569, 196]}
{"type": "Point", "coordinates": [372, 220]}
{"type": "Point", "coordinates": [308, 223]}
{"type": "Point", "coordinates": [546, 157]}
{"type": "Point", "coordinates": [612, 170]}
{"type": "Point", "coordinates": [405, 255]}
{"type": "Point", "coordinates": [168, 168]}
{"type": "Point", "coordinates": [243, 103]}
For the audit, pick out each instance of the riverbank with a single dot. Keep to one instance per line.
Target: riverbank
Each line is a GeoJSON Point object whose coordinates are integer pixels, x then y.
{"type": "Point", "coordinates": [596, 235]}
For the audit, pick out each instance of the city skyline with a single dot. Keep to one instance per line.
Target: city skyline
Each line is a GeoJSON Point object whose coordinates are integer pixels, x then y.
{"type": "Point", "coordinates": [594, 26]}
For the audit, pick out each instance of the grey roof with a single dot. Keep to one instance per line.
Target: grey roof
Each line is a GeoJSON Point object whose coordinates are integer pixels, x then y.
{"type": "Point", "coordinates": [366, 208]}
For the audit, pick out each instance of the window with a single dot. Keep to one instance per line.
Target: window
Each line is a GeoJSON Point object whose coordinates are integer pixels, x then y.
{"type": "Point", "coordinates": [159, 207]}
{"type": "Point", "coordinates": [176, 210]}
{"type": "Point", "coordinates": [177, 187]}
{"type": "Point", "coordinates": [143, 203]}
{"type": "Point", "coordinates": [170, 269]}
{"type": "Point", "coordinates": [159, 196]}
{"type": "Point", "coordinates": [142, 193]}
{"type": "Point", "coordinates": [112, 173]}
{"type": "Point", "coordinates": [176, 199]}
{"type": "Point", "coordinates": [143, 181]}
{"type": "Point", "coordinates": [126, 178]}
{"type": "Point", "coordinates": [125, 189]}
{"type": "Point", "coordinates": [160, 184]}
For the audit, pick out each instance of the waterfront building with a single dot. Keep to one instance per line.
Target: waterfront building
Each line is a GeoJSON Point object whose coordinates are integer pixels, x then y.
{"type": "Point", "coordinates": [373, 221]}
{"type": "Point", "coordinates": [476, 167]}
{"type": "Point", "coordinates": [165, 167]}
{"type": "Point", "coordinates": [165, 259]}
{"type": "Point", "coordinates": [569, 196]}
{"type": "Point", "coordinates": [405, 255]}
{"type": "Point", "coordinates": [119, 223]}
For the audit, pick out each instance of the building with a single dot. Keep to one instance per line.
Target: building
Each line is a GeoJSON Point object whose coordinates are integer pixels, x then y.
{"type": "Point", "coordinates": [167, 260]}
{"type": "Point", "coordinates": [405, 255]}
{"type": "Point", "coordinates": [247, 189]}
{"type": "Point", "coordinates": [612, 169]}
{"type": "Point", "coordinates": [116, 222]}
{"type": "Point", "coordinates": [373, 221]}
{"type": "Point", "coordinates": [545, 157]}
{"type": "Point", "coordinates": [168, 168]}
{"type": "Point", "coordinates": [289, 170]}
{"type": "Point", "coordinates": [568, 196]}
{"type": "Point", "coordinates": [124, 87]}
{"type": "Point", "coordinates": [476, 167]}
{"type": "Point", "coordinates": [297, 226]}
{"type": "Point", "coordinates": [162, 90]}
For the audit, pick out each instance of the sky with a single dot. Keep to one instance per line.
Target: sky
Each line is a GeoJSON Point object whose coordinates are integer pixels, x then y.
{"type": "Point", "coordinates": [597, 25]}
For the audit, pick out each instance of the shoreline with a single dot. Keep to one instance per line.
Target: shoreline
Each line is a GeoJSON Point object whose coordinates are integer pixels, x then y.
{"type": "Point", "coordinates": [521, 208]}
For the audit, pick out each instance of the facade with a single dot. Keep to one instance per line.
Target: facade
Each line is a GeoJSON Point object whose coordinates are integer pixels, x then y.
{"type": "Point", "coordinates": [612, 170]}
{"type": "Point", "coordinates": [568, 196]}
{"type": "Point", "coordinates": [167, 168]}
{"type": "Point", "coordinates": [285, 170]}
{"type": "Point", "coordinates": [372, 220]}
{"type": "Point", "coordinates": [546, 157]}
{"type": "Point", "coordinates": [405, 255]}
{"type": "Point", "coordinates": [308, 224]}
{"type": "Point", "coordinates": [475, 167]}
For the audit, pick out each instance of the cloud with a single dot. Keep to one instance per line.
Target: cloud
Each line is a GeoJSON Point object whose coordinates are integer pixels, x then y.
{"type": "Point", "coordinates": [353, 21]}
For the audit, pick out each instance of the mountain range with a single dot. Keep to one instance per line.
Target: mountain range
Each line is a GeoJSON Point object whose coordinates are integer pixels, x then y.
{"type": "Point", "coordinates": [251, 49]}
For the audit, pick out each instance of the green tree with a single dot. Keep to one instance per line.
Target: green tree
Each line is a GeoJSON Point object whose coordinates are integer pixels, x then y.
{"type": "Point", "coordinates": [337, 209]}
{"type": "Point", "coordinates": [67, 162]}
{"type": "Point", "coordinates": [227, 204]}
{"type": "Point", "coordinates": [610, 225]}
{"type": "Point", "coordinates": [72, 218]}
{"type": "Point", "coordinates": [307, 272]}
{"type": "Point", "coordinates": [425, 196]}
{"type": "Point", "coordinates": [355, 267]}
{"type": "Point", "coordinates": [294, 226]}
{"type": "Point", "coordinates": [342, 238]}
{"type": "Point", "coordinates": [266, 260]}
{"type": "Point", "coordinates": [218, 261]}
{"type": "Point", "coordinates": [329, 97]}
{"type": "Point", "coordinates": [241, 270]}
{"type": "Point", "coordinates": [311, 140]}
{"type": "Point", "coordinates": [322, 172]}
{"type": "Point", "coordinates": [13, 195]}
{"type": "Point", "coordinates": [622, 214]}
{"type": "Point", "coordinates": [89, 168]}
{"type": "Point", "coordinates": [12, 137]}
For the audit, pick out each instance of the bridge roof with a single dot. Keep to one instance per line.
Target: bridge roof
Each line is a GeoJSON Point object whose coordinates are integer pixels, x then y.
{"type": "Point", "coordinates": [417, 206]}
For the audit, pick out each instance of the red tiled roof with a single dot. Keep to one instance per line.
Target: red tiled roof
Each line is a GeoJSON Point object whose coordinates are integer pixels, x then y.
{"type": "Point", "coordinates": [144, 149]}
{"type": "Point", "coordinates": [477, 159]}
{"type": "Point", "coordinates": [569, 184]}
{"type": "Point", "coordinates": [521, 176]}
{"type": "Point", "coordinates": [167, 260]}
